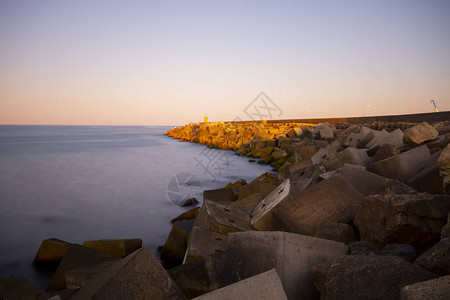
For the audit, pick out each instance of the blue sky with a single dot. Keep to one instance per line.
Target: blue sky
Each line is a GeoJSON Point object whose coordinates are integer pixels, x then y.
{"type": "Point", "coordinates": [172, 62]}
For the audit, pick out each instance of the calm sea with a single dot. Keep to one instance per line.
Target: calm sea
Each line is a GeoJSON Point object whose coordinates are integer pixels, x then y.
{"type": "Point", "coordinates": [80, 183]}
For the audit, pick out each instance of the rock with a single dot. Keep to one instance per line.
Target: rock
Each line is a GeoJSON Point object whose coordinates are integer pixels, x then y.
{"type": "Point", "coordinates": [251, 160]}
{"type": "Point", "coordinates": [51, 252]}
{"type": "Point", "coordinates": [322, 156]}
{"type": "Point", "coordinates": [326, 133]}
{"type": "Point", "coordinates": [17, 287]}
{"type": "Point", "coordinates": [266, 285]}
{"type": "Point", "coordinates": [204, 275]}
{"type": "Point", "coordinates": [444, 168]}
{"type": "Point", "coordinates": [402, 166]}
{"type": "Point", "coordinates": [292, 255]}
{"type": "Point", "coordinates": [78, 278]}
{"type": "Point", "coordinates": [236, 184]}
{"type": "Point", "coordinates": [428, 179]}
{"type": "Point", "coordinates": [264, 184]}
{"type": "Point", "coordinates": [419, 134]}
{"type": "Point", "coordinates": [57, 295]}
{"type": "Point", "coordinates": [350, 156]}
{"type": "Point", "coordinates": [436, 259]}
{"type": "Point", "coordinates": [353, 139]}
{"type": "Point", "coordinates": [137, 276]}
{"type": "Point", "coordinates": [116, 247]}
{"type": "Point", "coordinates": [203, 242]}
{"type": "Point", "coordinates": [77, 257]}
{"type": "Point", "coordinates": [248, 204]}
{"type": "Point", "coordinates": [415, 219]}
{"type": "Point", "coordinates": [400, 250]}
{"type": "Point", "coordinates": [362, 248]}
{"type": "Point", "coordinates": [320, 144]}
{"type": "Point", "coordinates": [262, 217]}
{"type": "Point", "coordinates": [305, 213]}
{"type": "Point", "coordinates": [395, 138]}
{"type": "Point", "coordinates": [372, 138]}
{"type": "Point", "coordinates": [434, 289]}
{"type": "Point", "coordinates": [336, 232]}
{"type": "Point", "coordinates": [385, 151]}
{"type": "Point", "coordinates": [368, 183]}
{"type": "Point", "coordinates": [307, 151]}
{"type": "Point", "coordinates": [175, 247]}
{"type": "Point", "coordinates": [222, 219]}
{"type": "Point", "coordinates": [279, 154]}
{"type": "Point", "coordinates": [445, 232]}
{"type": "Point", "coordinates": [219, 195]}
{"type": "Point", "coordinates": [188, 215]}
{"type": "Point", "coordinates": [366, 277]}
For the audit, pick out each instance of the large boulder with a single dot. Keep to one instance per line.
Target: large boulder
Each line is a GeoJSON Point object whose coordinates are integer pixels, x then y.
{"type": "Point", "coordinates": [444, 168]}
{"type": "Point", "coordinates": [175, 246]}
{"type": "Point", "coordinates": [419, 134]}
{"type": "Point", "coordinates": [266, 285]}
{"type": "Point", "coordinates": [394, 138]}
{"type": "Point", "coordinates": [331, 200]}
{"type": "Point", "coordinates": [415, 219]}
{"type": "Point", "coordinates": [366, 277]}
{"type": "Point", "coordinates": [262, 217]}
{"type": "Point", "coordinates": [203, 242]}
{"type": "Point", "coordinates": [368, 183]}
{"type": "Point", "coordinates": [292, 255]}
{"type": "Point", "coordinates": [222, 219]}
{"type": "Point", "coordinates": [436, 259]}
{"type": "Point", "coordinates": [51, 252]}
{"type": "Point", "coordinates": [77, 257]}
{"type": "Point", "coordinates": [435, 289]}
{"type": "Point", "coordinates": [13, 287]}
{"type": "Point", "coordinates": [401, 166]}
{"type": "Point", "coordinates": [137, 276]}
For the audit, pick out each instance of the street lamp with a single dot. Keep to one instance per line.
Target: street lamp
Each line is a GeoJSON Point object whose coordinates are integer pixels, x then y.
{"type": "Point", "coordinates": [364, 109]}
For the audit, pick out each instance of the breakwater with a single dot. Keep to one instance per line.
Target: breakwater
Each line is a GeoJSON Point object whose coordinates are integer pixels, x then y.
{"type": "Point", "coordinates": [354, 211]}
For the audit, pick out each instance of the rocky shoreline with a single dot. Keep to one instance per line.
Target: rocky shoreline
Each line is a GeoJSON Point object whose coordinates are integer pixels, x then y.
{"type": "Point", "coordinates": [352, 212]}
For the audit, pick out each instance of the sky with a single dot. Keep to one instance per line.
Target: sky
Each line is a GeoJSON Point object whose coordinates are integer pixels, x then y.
{"type": "Point", "coordinates": [173, 62]}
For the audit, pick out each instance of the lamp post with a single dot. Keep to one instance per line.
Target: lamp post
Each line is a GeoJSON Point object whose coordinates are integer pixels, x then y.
{"type": "Point", "coordinates": [364, 109]}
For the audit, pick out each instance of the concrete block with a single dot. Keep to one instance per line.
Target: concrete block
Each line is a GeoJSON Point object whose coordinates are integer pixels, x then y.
{"type": "Point", "coordinates": [372, 138]}
{"type": "Point", "coordinates": [76, 257]}
{"type": "Point", "coordinates": [321, 144]}
{"type": "Point", "coordinates": [175, 246]}
{"type": "Point", "coordinates": [331, 200]}
{"type": "Point", "coordinates": [187, 215]}
{"type": "Point", "coordinates": [264, 184]}
{"type": "Point", "coordinates": [266, 285]}
{"type": "Point", "coordinates": [248, 204]}
{"type": "Point", "coordinates": [203, 242]}
{"type": "Point", "coordinates": [219, 195]}
{"type": "Point", "coordinates": [292, 255]}
{"type": "Point", "coordinates": [395, 138]}
{"type": "Point", "coordinates": [322, 156]}
{"type": "Point", "coordinates": [262, 217]}
{"type": "Point", "coordinates": [17, 287]}
{"type": "Point", "coordinates": [307, 151]}
{"type": "Point", "coordinates": [427, 180]}
{"type": "Point", "coordinates": [116, 247]}
{"type": "Point", "coordinates": [435, 289]}
{"type": "Point", "coordinates": [349, 155]}
{"type": "Point", "coordinates": [339, 232]}
{"type": "Point", "coordinates": [222, 219]}
{"type": "Point", "coordinates": [51, 252]}
{"type": "Point", "coordinates": [78, 278]}
{"type": "Point", "coordinates": [353, 139]}
{"type": "Point", "coordinates": [402, 166]}
{"type": "Point", "coordinates": [368, 183]}
{"type": "Point", "coordinates": [326, 133]}
{"type": "Point", "coordinates": [137, 276]}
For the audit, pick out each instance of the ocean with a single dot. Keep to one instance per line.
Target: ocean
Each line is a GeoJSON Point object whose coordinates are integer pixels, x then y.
{"type": "Point", "coordinates": [79, 183]}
